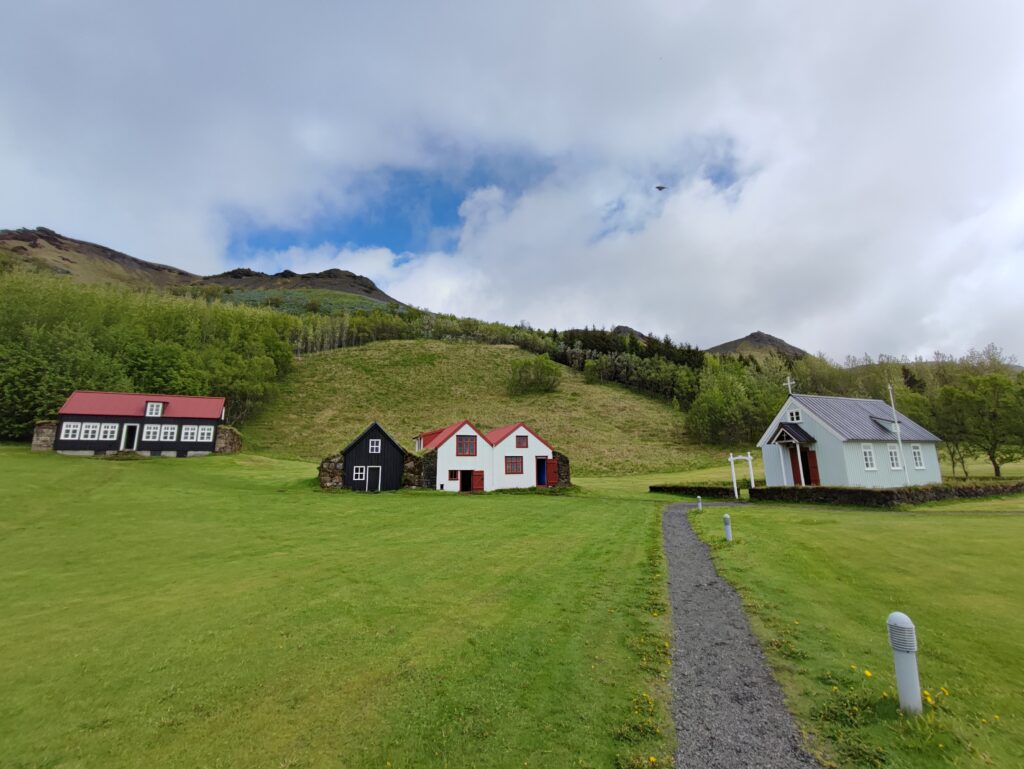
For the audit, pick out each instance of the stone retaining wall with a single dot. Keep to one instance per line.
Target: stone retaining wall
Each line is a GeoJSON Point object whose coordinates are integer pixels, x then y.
{"type": "Point", "coordinates": [44, 435]}
{"type": "Point", "coordinates": [228, 440]}
{"type": "Point", "coordinates": [332, 472]}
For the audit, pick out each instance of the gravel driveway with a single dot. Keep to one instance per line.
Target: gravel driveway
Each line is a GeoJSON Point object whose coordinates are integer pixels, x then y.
{"type": "Point", "coordinates": [728, 710]}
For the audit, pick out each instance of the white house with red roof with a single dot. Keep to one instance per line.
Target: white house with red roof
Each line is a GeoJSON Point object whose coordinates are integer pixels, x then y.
{"type": "Point", "coordinates": [148, 423]}
{"type": "Point", "coordinates": [509, 457]}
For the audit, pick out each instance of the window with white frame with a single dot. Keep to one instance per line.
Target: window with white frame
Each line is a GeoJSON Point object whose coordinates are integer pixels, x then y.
{"type": "Point", "coordinates": [70, 431]}
{"type": "Point", "coordinates": [90, 431]}
{"type": "Point", "coordinates": [358, 473]}
{"type": "Point", "coordinates": [154, 409]}
{"type": "Point", "coordinates": [918, 456]}
{"type": "Point", "coordinates": [189, 433]}
{"type": "Point", "coordinates": [375, 445]}
{"type": "Point", "coordinates": [168, 432]}
{"type": "Point", "coordinates": [108, 431]}
{"type": "Point", "coordinates": [794, 415]}
{"type": "Point", "coordinates": [205, 433]}
{"type": "Point", "coordinates": [151, 432]}
{"type": "Point", "coordinates": [894, 457]}
{"type": "Point", "coordinates": [869, 456]}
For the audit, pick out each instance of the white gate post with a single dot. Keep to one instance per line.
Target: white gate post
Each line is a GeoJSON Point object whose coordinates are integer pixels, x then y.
{"type": "Point", "coordinates": [732, 466]}
{"type": "Point", "coordinates": [750, 467]}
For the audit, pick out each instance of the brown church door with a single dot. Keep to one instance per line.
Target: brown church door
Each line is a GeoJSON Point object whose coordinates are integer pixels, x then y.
{"type": "Point", "coordinates": [794, 465]}
{"type": "Point", "coordinates": [812, 465]}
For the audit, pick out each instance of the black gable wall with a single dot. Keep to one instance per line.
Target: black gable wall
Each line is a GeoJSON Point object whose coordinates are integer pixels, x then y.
{"type": "Point", "coordinates": [391, 460]}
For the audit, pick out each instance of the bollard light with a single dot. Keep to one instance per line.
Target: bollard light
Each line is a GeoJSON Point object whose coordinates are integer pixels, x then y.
{"type": "Point", "coordinates": [903, 640]}
{"type": "Point", "coordinates": [700, 504]}
{"type": "Point", "coordinates": [727, 522]}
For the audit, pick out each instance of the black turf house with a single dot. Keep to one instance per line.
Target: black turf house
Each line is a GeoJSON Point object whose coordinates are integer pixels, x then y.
{"type": "Point", "coordinates": [374, 461]}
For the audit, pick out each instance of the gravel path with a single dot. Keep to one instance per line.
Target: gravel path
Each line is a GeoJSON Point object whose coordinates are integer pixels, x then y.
{"type": "Point", "coordinates": [728, 709]}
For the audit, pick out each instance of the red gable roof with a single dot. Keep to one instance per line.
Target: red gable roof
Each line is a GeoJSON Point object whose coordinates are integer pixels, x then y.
{"type": "Point", "coordinates": [435, 438]}
{"type": "Point", "coordinates": [498, 434]}
{"type": "Point", "coordinates": [90, 403]}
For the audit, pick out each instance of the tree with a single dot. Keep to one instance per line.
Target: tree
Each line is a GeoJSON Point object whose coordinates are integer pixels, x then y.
{"type": "Point", "coordinates": [539, 374]}
{"type": "Point", "coordinates": [953, 414]}
{"type": "Point", "coordinates": [996, 419]}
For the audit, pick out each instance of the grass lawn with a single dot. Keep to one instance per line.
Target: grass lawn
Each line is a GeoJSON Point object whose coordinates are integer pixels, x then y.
{"type": "Point", "coordinates": [413, 386]}
{"type": "Point", "coordinates": [222, 612]}
{"type": "Point", "coordinates": [818, 583]}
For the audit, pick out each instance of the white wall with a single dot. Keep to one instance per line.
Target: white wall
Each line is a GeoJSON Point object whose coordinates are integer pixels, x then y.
{"type": "Point", "coordinates": [447, 460]}
{"type": "Point", "coordinates": [507, 448]}
{"type": "Point", "coordinates": [884, 476]}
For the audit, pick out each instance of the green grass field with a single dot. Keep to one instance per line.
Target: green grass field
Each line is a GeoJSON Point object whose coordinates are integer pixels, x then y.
{"type": "Point", "coordinates": [414, 386]}
{"type": "Point", "coordinates": [819, 582]}
{"type": "Point", "coordinates": [296, 300]}
{"type": "Point", "coordinates": [223, 612]}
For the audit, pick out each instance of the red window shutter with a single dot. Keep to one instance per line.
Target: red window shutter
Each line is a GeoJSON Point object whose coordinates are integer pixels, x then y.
{"type": "Point", "coordinates": [478, 480]}
{"type": "Point", "coordinates": [552, 472]}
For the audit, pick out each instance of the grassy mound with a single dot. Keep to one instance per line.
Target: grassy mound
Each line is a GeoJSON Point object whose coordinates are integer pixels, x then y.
{"type": "Point", "coordinates": [412, 386]}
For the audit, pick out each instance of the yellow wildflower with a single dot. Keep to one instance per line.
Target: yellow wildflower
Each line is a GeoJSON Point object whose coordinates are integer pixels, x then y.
{"type": "Point", "coordinates": [867, 674]}
{"type": "Point", "coordinates": [944, 690]}
{"type": "Point", "coordinates": [853, 667]}
{"type": "Point", "coordinates": [995, 718]}
{"type": "Point", "coordinates": [653, 760]}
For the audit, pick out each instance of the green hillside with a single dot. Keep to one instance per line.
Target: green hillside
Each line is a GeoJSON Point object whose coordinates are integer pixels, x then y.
{"type": "Point", "coordinates": [413, 386]}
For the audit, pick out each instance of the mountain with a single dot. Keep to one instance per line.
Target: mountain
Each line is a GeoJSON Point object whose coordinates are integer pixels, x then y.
{"type": "Point", "coordinates": [44, 249]}
{"type": "Point", "coordinates": [758, 345]}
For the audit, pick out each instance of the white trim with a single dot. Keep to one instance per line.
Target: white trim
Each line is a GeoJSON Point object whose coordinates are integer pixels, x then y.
{"type": "Point", "coordinates": [794, 415]}
{"type": "Point", "coordinates": [154, 409]}
{"type": "Point", "coordinates": [380, 476]}
{"type": "Point", "coordinates": [90, 431]}
{"type": "Point", "coordinates": [915, 450]}
{"type": "Point", "coordinates": [168, 433]}
{"type": "Point", "coordinates": [206, 433]}
{"type": "Point", "coordinates": [867, 455]}
{"type": "Point", "coordinates": [69, 431]}
{"type": "Point", "coordinates": [108, 431]}
{"type": "Point", "coordinates": [375, 446]}
{"type": "Point", "coordinates": [894, 454]}
{"type": "Point", "coordinates": [359, 472]}
{"type": "Point", "coordinates": [189, 433]}
{"type": "Point", "coordinates": [124, 434]}
{"type": "Point", "coordinates": [150, 433]}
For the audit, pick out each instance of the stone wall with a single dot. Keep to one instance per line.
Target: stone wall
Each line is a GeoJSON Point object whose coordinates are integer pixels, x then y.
{"type": "Point", "coordinates": [44, 435]}
{"type": "Point", "coordinates": [228, 440]}
{"type": "Point", "coordinates": [332, 472]}
{"type": "Point", "coordinates": [564, 478]}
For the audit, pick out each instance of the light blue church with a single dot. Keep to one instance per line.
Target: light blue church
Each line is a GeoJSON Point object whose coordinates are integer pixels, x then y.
{"type": "Point", "coordinates": [819, 440]}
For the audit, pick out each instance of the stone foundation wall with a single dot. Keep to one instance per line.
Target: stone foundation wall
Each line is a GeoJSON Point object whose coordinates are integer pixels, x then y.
{"type": "Point", "coordinates": [44, 435]}
{"type": "Point", "coordinates": [564, 479]}
{"type": "Point", "coordinates": [332, 472]}
{"type": "Point", "coordinates": [228, 440]}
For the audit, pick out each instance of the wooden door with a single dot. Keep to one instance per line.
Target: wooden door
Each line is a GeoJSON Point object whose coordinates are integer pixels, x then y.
{"type": "Point", "coordinates": [478, 480]}
{"type": "Point", "coordinates": [552, 472]}
{"type": "Point", "coordinates": [812, 465]}
{"type": "Point", "coordinates": [794, 463]}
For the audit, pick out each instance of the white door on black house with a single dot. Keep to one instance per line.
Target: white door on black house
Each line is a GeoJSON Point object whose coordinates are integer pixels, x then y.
{"type": "Point", "coordinates": [373, 478]}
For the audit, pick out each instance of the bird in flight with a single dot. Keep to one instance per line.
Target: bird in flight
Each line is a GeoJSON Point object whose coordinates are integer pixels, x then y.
{"type": "Point", "coordinates": [660, 187]}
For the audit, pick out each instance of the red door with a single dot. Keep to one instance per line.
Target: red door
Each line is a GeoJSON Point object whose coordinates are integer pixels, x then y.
{"type": "Point", "coordinates": [478, 480]}
{"type": "Point", "coordinates": [794, 464]}
{"type": "Point", "coordinates": [812, 465]}
{"type": "Point", "coordinates": [552, 472]}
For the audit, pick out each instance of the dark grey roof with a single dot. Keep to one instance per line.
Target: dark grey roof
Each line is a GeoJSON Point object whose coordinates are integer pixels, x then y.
{"type": "Point", "coordinates": [364, 432]}
{"type": "Point", "coordinates": [862, 419]}
{"type": "Point", "coordinates": [796, 432]}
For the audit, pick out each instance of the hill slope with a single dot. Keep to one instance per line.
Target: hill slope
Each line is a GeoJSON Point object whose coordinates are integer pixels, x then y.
{"type": "Point", "coordinates": [757, 345]}
{"type": "Point", "coordinates": [46, 250]}
{"type": "Point", "coordinates": [413, 386]}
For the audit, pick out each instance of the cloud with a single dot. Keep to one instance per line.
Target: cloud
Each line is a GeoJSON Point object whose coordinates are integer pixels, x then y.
{"type": "Point", "coordinates": [842, 176]}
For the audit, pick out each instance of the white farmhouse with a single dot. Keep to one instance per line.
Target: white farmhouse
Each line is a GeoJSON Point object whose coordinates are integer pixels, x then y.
{"type": "Point", "coordinates": [829, 441]}
{"type": "Point", "coordinates": [508, 457]}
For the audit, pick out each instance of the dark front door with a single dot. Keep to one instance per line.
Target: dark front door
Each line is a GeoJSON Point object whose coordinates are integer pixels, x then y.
{"type": "Point", "coordinates": [542, 471]}
{"type": "Point", "coordinates": [131, 438]}
{"type": "Point", "coordinates": [466, 480]}
{"type": "Point", "coordinates": [373, 478]}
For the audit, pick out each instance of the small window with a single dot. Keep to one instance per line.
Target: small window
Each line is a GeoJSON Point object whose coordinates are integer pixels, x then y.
{"type": "Point", "coordinates": [522, 441]}
{"type": "Point", "coordinates": [513, 465]}
{"type": "Point", "coordinates": [918, 457]}
{"type": "Point", "coordinates": [205, 433]}
{"type": "Point", "coordinates": [869, 456]}
{"type": "Point", "coordinates": [453, 475]}
{"type": "Point", "coordinates": [168, 432]}
{"type": "Point", "coordinates": [359, 473]}
{"type": "Point", "coordinates": [90, 431]}
{"type": "Point", "coordinates": [894, 457]}
{"type": "Point", "coordinates": [189, 433]}
{"type": "Point", "coordinates": [375, 445]}
{"type": "Point", "coordinates": [70, 431]}
{"type": "Point", "coordinates": [794, 416]}
{"type": "Point", "coordinates": [465, 445]}
{"type": "Point", "coordinates": [108, 432]}
{"type": "Point", "coordinates": [151, 432]}
{"type": "Point", "coordinates": [154, 409]}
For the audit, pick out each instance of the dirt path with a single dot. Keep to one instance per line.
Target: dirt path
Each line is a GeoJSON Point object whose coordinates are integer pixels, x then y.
{"type": "Point", "coordinates": [728, 710]}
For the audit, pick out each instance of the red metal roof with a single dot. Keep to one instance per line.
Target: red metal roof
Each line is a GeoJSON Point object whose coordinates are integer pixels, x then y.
{"type": "Point", "coordinates": [90, 403]}
{"type": "Point", "coordinates": [435, 438]}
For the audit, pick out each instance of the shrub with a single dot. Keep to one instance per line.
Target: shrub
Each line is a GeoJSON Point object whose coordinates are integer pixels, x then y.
{"type": "Point", "coordinates": [904, 495]}
{"type": "Point", "coordinates": [711, 492]}
{"type": "Point", "coordinates": [539, 374]}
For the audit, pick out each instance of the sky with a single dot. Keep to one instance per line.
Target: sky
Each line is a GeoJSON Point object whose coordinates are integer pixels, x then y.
{"type": "Point", "coordinates": [846, 175]}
